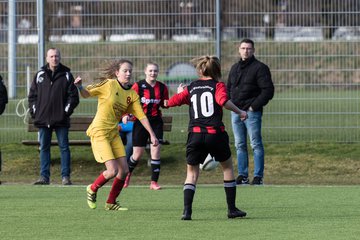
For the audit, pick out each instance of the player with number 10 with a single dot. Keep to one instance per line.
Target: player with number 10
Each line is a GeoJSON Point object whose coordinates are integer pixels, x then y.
{"type": "Point", "coordinates": [206, 97]}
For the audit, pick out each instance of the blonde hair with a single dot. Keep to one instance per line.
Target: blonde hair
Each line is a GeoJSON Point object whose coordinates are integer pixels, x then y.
{"type": "Point", "coordinates": [114, 65]}
{"type": "Point", "coordinates": [152, 64]}
{"type": "Point", "coordinates": [208, 66]}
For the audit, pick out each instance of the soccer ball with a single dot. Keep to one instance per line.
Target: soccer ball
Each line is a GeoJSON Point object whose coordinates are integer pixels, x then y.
{"type": "Point", "coordinates": [209, 164]}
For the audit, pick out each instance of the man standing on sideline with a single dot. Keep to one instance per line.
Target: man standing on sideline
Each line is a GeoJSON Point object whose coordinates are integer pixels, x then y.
{"type": "Point", "coordinates": [250, 88]}
{"type": "Point", "coordinates": [3, 102]}
{"type": "Point", "coordinates": [3, 96]}
{"type": "Point", "coordinates": [52, 99]}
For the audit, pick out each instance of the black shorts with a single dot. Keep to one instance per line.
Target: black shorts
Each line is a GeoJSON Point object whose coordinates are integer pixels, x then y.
{"type": "Point", "coordinates": [199, 145]}
{"type": "Point", "coordinates": [141, 135]}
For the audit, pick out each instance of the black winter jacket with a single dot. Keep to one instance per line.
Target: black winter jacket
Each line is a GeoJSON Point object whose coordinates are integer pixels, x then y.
{"type": "Point", "coordinates": [250, 84]}
{"type": "Point", "coordinates": [3, 96]}
{"type": "Point", "coordinates": [53, 97]}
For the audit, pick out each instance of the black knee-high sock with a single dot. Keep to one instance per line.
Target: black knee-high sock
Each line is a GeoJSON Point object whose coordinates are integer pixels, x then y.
{"type": "Point", "coordinates": [132, 164]}
{"type": "Point", "coordinates": [189, 192]}
{"type": "Point", "coordinates": [230, 191]}
{"type": "Point", "coordinates": [155, 169]}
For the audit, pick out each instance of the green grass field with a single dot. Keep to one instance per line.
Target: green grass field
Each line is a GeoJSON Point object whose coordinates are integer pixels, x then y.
{"type": "Point", "coordinates": [301, 199]}
{"type": "Point", "coordinates": [274, 212]}
{"type": "Point", "coordinates": [285, 164]}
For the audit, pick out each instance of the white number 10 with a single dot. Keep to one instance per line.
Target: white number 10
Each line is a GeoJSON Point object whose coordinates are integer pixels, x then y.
{"type": "Point", "coordinates": [206, 105]}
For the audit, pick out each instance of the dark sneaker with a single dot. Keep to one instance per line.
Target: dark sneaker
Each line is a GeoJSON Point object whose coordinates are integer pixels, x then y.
{"type": "Point", "coordinates": [236, 213]}
{"type": "Point", "coordinates": [186, 215]}
{"type": "Point", "coordinates": [240, 180]}
{"type": "Point", "coordinates": [66, 181]}
{"type": "Point", "coordinates": [257, 181]}
{"type": "Point", "coordinates": [42, 181]}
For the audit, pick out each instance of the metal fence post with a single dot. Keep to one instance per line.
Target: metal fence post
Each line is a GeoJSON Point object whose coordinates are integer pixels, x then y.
{"type": "Point", "coordinates": [218, 29]}
{"type": "Point", "coordinates": [12, 49]}
{"type": "Point", "coordinates": [41, 32]}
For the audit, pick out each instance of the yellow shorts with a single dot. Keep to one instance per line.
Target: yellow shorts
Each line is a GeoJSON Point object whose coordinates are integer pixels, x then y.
{"type": "Point", "coordinates": [107, 147]}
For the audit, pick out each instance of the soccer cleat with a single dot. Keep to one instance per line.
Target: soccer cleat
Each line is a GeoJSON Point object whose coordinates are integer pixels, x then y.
{"type": "Point", "coordinates": [236, 213]}
{"type": "Point", "coordinates": [91, 197]}
{"type": "Point", "coordinates": [257, 181]}
{"type": "Point", "coordinates": [66, 181]}
{"type": "Point", "coordinates": [114, 207]}
{"type": "Point", "coordinates": [42, 181]}
{"type": "Point", "coordinates": [154, 186]}
{"type": "Point", "coordinates": [127, 180]}
{"type": "Point", "coordinates": [242, 180]}
{"type": "Point", "coordinates": [186, 214]}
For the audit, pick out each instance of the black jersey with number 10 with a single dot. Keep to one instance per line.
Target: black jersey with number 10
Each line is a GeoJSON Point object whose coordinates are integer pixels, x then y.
{"type": "Point", "coordinates": [205, 112]}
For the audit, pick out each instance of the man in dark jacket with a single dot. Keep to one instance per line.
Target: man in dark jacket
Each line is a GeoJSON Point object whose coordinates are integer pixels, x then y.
{"type": "Point", "coordinates": [3, 102]}
{"type": "Point", "coordinates": [3, 96]}
{"type": "Point", "coordinates": [52, 99]}
{"type": "Point", "coordinates": [250, 88]}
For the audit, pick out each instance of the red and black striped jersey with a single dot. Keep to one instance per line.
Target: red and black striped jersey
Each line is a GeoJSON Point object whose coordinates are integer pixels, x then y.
{"type": "Point", "coordinates": [205, 99]}
{"type": "Point", "coordinates": [151, 98]}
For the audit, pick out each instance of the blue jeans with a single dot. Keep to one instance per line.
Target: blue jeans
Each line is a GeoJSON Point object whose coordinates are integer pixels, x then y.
{"type": "Point", "coordinates": [126, 137]}
{"type": "Point", "coordinates": [45, 135]}
{"type": "Point", "coordinates": [251, 126]}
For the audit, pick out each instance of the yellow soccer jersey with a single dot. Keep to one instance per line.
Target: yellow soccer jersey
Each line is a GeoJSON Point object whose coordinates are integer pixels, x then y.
{"type": "Point", "coordinates": [113, 102]}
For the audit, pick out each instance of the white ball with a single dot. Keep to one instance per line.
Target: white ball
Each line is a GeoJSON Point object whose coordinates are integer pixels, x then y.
{"type": "Point", "coordinates": [209, 164]}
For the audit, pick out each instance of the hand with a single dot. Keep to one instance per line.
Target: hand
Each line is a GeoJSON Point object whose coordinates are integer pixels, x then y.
{"type": "Point", "coordinates": [78, 82]}
{"type": "Point", "coordinates": [125, 119]}
{"type": "Point", "coordinates": [154, 141]}
{"type": "Point", "coordinates": [181, 88]}
{"type": "Point", "coordinates": [166, 103]}
{"type": "Point", "coordinates": [243, 115]}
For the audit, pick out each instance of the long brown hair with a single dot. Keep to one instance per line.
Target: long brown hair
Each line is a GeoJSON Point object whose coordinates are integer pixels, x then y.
{"type": "Point", "coordinates": [113, 66]}
{"type": "Point", "coordinates": [208, 66]}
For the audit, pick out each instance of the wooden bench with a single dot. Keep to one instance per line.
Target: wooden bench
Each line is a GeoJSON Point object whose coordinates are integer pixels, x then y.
{"type": "Point", "coordinates": [81, 124]}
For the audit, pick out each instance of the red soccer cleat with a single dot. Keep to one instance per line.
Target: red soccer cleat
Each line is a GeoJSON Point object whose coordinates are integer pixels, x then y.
{"type": "Point", "coordinates": [154, 186]}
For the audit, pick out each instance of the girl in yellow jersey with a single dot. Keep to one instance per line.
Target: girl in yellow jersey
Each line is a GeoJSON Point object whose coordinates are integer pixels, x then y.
{"type": "Point", "coordinates": [115, 97]}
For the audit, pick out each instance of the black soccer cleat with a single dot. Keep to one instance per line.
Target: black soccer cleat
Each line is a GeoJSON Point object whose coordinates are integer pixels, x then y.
{"type": "Point", "coordinates": [242, 180]}
{"type": "Point", "coordinates": [186, 214]}
{"type": "Point", "coordinates": [257, 181]}
{"type": "Point", "coordinates": [236, 213]}
{"type": "Point", "coordinates": [42, 181]}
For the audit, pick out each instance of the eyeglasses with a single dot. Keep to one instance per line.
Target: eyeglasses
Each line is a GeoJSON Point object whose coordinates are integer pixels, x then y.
{"type": "Point", "coordinates": [248, 49]}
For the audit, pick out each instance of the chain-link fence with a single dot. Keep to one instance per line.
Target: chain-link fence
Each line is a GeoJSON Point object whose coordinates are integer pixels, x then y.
{"type": "Point", "coordinates": [311, 47]}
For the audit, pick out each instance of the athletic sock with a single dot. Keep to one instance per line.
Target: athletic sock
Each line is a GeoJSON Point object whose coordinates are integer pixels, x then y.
{"type": "Point", "coordinates": [132, 164]}
{"type": "Point", "coordinates": [99, 182]}
{"type": "Point", "coordinates": [155, 170]}
{"type": "Point", "coordinates": [116, 188]}
{"type": "Point", "coordinates": [189, 192]}
{"type": "Point", "coordinates": [230, 191]}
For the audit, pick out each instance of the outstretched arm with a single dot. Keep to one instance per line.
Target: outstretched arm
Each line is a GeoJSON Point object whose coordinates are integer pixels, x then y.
{"type": "Point", "coordinates": [182, 97]}
{"type": "Point", "coordinates": [229, 105]}
{"type": "Point", "coordinates": [83, 92]}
